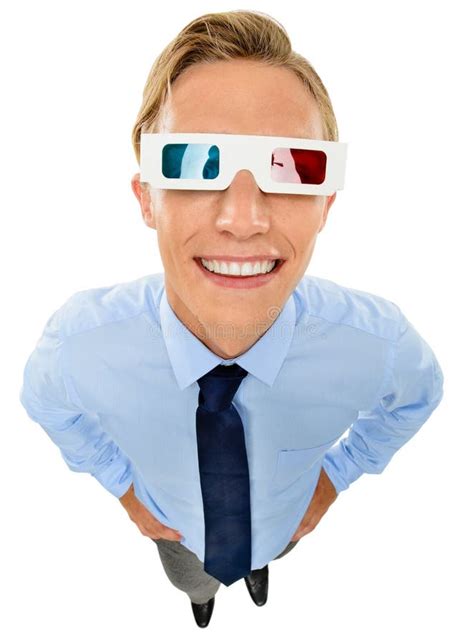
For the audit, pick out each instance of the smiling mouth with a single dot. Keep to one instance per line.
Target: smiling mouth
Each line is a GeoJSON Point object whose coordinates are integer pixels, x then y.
{"type": "Point", "coordinates": [239, 269]}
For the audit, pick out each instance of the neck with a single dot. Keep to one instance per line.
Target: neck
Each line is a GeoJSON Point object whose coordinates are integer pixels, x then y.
{"type": "Point", "coordinates": [214, 336]}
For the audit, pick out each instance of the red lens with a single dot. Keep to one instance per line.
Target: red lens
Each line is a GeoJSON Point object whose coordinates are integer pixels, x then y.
{"type": "Point", "coordinates": [292, 165]}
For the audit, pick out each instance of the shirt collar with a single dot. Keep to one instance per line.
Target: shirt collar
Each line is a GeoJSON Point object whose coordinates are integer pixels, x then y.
{"type": "Point", "coordinates": [191, 359]}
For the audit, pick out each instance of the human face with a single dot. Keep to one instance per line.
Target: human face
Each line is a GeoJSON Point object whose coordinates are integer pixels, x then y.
{"type": "Point", "coordinates": [240, 223]}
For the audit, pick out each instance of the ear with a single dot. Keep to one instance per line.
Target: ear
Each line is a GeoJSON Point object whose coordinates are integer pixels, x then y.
{"type": "Point", "coordinates": [329, 202]}
{"type": "Point", "coordinates": [142, 193]}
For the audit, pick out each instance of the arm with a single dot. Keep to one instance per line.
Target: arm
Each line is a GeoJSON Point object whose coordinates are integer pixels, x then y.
{"type": "Point", "coordinates": [77, 433]}
{"type": "Point", "coordinates": [411, 391]}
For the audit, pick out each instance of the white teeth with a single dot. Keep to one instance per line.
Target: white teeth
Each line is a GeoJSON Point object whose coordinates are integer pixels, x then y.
{"type": "Point", "coordinates": [236, 268]}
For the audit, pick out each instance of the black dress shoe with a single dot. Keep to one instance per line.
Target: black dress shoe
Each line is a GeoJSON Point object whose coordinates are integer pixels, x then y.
{"type": "Point", "coordinates": [257, 585]}
{"type": "Point", "coordinates": [202, 612]}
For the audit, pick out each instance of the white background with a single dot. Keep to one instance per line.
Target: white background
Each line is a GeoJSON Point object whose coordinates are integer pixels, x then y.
{"type": "Point", "coordinates": [391, 559]}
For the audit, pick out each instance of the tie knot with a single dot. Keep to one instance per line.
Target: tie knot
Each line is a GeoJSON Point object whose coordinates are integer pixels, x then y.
{"type": "Point", "coordinates": [219, 386]}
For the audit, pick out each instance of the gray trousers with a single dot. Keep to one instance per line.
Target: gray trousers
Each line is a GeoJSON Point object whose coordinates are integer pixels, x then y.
{"type": "Point", "coordinates": [186, 571]}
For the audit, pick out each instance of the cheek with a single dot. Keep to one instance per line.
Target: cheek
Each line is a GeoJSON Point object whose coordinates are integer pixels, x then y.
{"type": "Point", "coordinates": [176, 233]}
{"type": "Point", "coordinates": [301, 229]}
{"type": "Point", "coordinates": [167, 217]}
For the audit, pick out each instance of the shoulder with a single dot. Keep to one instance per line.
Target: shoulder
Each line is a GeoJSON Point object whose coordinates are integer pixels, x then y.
{"type": "Point", "coordinates": [338, 304]}
{"type": "Point", "coordinates": [94, 307]}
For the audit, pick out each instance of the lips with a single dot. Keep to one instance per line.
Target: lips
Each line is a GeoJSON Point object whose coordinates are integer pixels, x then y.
{"type": "Point", "coordinates": [239, 269]}
{"type": "Point", "coordinates": [249, 258]}
{"type": "Point", "coordinates": [237, 281]}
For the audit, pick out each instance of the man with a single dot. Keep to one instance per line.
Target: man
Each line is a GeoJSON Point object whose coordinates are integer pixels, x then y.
{"type": "Point", "coordinates": [210, 399]}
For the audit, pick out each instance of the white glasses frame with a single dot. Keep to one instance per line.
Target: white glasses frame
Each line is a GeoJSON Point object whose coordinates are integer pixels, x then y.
{"type": "Point", "coordinates": [241, 151]}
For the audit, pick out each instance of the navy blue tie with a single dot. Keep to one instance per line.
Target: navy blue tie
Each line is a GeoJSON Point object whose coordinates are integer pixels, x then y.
{"type": "Point", "coordinates": [224, 474]}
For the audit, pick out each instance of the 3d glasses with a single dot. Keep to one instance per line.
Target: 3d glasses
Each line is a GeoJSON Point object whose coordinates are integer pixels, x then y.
{"type": "Point", "coordinates": [205, 161]}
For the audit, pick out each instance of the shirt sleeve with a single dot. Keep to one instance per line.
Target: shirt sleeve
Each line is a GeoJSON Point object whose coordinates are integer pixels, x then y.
{"type": "Point", "coordinates": [411, 391]}
{"type": "Point", "coordinates": [76, 432]}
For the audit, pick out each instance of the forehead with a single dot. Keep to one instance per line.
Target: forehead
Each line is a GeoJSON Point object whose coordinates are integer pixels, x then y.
{"type": "Point", "coordinates": [241, 97]}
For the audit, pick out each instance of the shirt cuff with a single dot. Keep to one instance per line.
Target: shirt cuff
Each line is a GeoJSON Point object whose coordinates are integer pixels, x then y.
{"type": "Point", "coordinates": [340, 468]}
{"type": "Point", "coordinates": [116, 477]}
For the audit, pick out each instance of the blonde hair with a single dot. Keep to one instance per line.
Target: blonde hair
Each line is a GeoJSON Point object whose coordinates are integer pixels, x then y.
{"type": "Point", "coordinates": [225, 36]}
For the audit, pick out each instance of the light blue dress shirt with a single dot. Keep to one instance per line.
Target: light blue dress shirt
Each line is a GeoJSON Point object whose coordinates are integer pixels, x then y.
{"type": "Point", "coordinates": [112, 380]}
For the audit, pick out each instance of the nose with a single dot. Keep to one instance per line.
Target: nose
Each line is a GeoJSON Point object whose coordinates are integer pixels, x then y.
{"type": "Point", "coordinates": [243, 210]}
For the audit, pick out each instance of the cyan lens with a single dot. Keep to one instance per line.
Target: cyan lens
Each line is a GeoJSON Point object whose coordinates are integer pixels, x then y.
{"type": "Point", "coordinates": [190, 161]}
